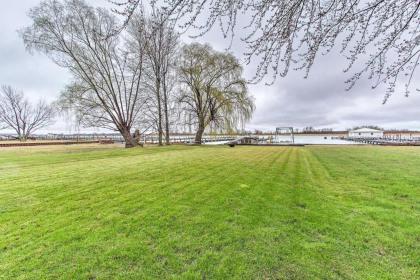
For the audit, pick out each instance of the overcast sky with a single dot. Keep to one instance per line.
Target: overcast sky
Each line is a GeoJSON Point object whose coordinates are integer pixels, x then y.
{"type": "Point", "coordinates": [319, 101]}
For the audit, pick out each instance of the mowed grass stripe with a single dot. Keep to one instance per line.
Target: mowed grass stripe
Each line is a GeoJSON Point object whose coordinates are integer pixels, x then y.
{"type": "Point", "coordinates": [209, 212]}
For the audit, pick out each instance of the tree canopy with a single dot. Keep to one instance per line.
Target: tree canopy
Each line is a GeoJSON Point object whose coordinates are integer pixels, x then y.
{"type": "Point", "coordinates": [380, 38]}
{"type": "Point", "coordinates": [106, 88]}
{"type": "Point", "coordinates": [17, 113]}
{"type": "Point", "coordinates": [214, 91]}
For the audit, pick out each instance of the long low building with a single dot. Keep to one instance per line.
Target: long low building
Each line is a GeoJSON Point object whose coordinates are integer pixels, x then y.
{"type": "Point", "coordinates": [392, 134]}
{"type": "Point", "coordinates": [332, 133]}
{"type": "Point", "coordinates": [362, 133]}
{"type": "Point", "coordinates": [401, 134]}
{"type": "Point", "coordinates": [365, 132]}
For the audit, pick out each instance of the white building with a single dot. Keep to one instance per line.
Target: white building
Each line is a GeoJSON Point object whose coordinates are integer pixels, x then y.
{"type": "Point", "coordinates": [366, 133]}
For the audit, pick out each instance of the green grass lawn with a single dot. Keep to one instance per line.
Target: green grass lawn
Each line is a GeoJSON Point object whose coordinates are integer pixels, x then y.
{"type": "Point", "coordinates": [100, 212]}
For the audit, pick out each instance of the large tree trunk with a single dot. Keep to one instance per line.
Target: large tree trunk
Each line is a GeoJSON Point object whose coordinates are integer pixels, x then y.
{"type": "Point", "coordinates": [21, 132]}
{"type": "Point", "coordinates": [167, 138]}
{"type": "Point", "coordinates": [159, 103]}
{"type": "Point", "coordinates": [22, 136]}
{"type": "Point", "coordinates": [199, 133]}
{"type": "Point", "coordinates": [165, 108]}
{"type": "Point", "coordinates": [130, 142]}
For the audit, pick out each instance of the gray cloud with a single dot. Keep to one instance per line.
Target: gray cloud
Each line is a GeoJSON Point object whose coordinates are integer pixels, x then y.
{"type": "Point", "coordinates": [319, 101]}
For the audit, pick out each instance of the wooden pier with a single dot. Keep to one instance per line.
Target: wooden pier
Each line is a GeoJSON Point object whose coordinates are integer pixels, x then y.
{"type": "Point", "coordinates": [385, 141]}
{"type": "Point", "coordinates": [189, 139]}
{"type": "Point", "coordinates": [259, 141]}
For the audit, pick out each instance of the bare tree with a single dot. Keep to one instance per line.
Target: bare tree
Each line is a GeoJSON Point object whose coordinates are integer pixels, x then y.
{"type": "Point", "coordinates": [160, 48]}
{"type": "Point", "coordinates": [215, 92]}
{"type": "Point", "coordinates": [169, 53]}
{"type": "Point", "coordinates": [106, 91]}
{"type": "Point", "coordinates": [380, 38]}
{"type": "Point", "coordinates": [19, 114]}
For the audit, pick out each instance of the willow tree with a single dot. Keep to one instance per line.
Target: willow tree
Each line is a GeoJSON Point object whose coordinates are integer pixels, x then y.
{"type": "Point", "coordinates": [106, 87]}
{"type": "Point", "coordinates": [214, 91]}
{"type": "Point", "coordinates": [380, 38]}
